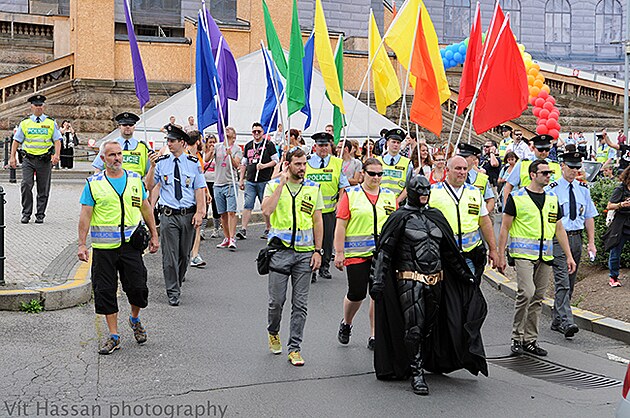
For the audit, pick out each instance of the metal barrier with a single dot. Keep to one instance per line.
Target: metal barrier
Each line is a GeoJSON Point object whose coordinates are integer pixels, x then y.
{"type": "Point", "coordinates": [2, 228]}
{"type": "Point", "coordinates": [7, 151]}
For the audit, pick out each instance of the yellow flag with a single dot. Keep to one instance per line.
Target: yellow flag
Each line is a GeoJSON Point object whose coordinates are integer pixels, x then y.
{"type": "Point", "coordinates": [386, 87]}
{"type": "Point", "coordinates": [325, 58]}
{"type": "Point", "coordinates": [400, 38]}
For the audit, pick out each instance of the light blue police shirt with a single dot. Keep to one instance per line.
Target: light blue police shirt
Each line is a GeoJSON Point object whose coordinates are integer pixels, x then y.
{"type": "Point", "coordinates": [191, 179]}
{"type": "Point", "coordinates": [583, 202]}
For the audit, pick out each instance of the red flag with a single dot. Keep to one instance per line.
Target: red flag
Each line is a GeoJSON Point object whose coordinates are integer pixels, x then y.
{"type": "Point", "coordinates": [503, 92]}
{"type": "Point", "coordinates": [493, 32]}
{"type": "Point", "coordinates": [425, 109]}
{"type": "Point", "coordinates": [470, 73]}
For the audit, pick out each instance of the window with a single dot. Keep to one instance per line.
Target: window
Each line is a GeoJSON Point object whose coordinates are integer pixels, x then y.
{"type": "Point", "coordinates": [608, 22]}
{"type": "Point", "coordinates": [156, 12]}
{"type": "Point", "coordinates": [557, 22]}
{"type": "Point", "coordinates": [223, 10]}
{"type": "Point", "coordinates": [456, 20]}
{"type": "Point", "coordinates": [514, 7]}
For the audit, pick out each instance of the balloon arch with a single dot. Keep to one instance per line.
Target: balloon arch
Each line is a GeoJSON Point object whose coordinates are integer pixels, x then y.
{"type": "Point", "coordinates": [544, 104]}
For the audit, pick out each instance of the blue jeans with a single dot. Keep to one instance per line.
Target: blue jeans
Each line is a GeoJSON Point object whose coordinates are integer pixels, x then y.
{"type": "Point", "coordinates": [471, 265]}
{"type": "Point", "coordinates": [253, 191]}
{"type": "Point", "coordinates": [615, 256]}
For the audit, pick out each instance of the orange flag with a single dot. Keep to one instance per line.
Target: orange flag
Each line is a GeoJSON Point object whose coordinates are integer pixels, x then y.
{"type": "Point", "coordinates": [425, 109]}
{"type": "Point", "coordinates": [503, 92]}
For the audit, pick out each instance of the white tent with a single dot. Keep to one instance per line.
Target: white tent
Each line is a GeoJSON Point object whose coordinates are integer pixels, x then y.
{"type": "Point", "coordinates": [245, 111]}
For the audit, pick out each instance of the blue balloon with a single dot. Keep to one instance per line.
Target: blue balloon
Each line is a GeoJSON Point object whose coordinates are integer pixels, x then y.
{"type": "Point", "coordinates": [462, 49]}
{"type": "Point", "coordinates": [452, 63]}
{"type": "Point", "coordinates": [458, 57]}
{"type": "Point", "coordinates": [448, 54]}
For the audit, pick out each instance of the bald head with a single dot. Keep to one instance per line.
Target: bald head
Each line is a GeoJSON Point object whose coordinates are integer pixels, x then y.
{"type": "Point", "coordinates": [456, 171]}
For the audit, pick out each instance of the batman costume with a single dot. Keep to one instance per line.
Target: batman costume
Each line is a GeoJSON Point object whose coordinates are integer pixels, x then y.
{"type": "Point", "coordinates": [428, 312]}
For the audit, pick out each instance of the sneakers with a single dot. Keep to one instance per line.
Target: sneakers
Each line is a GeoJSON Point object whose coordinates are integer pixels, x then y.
{"type": "Point", "coordinates": [274, 344]}
{"type": "Point", "coordinates": [517, 348]}
{"type": "Point", "coordinates": [535, 349]}
{"type": "Point", "coordinates": [344, 333]}
{"type": "Point", "coordinates": [242, 234]}
{"type": "Point", "coordinates": [110, 346]}
{"type": "Point", "coordinates": [370, 344]}
{"type": "Point", "coordinates": [224, 243]}
{"type": "Point", "coordinates": [197, 261]}
{"type": "Point", "coordinates": [614, 282]}
{"type": "Point", "coordinates": [214, 233]}
{"type": "Point", "coordinates": [265, 235]}
{"type": "Point", "coordinates": [232, 244]}
{"type": "Point", "coordinates": [296, 359]}
{"type": "Point", "coordinates": [25, 219]}
{"type": "Point", "coordinates": [139, 332]}
{"type": "Point", "coordinates": [202, 234]}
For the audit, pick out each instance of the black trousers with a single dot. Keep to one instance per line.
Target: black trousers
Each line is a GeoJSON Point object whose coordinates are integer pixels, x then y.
{"type": "Point", "coordinates": [40, 169]}
{"type": "Point", "coordinates": [330, 219]}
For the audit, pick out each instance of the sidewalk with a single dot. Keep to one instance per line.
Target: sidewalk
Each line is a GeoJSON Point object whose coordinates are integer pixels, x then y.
{"type": "Point", "coordinates": [40, 259]}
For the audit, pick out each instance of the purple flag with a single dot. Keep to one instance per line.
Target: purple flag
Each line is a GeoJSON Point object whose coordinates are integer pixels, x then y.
{"type": "Point", "coordinates": [139, 78]}
{"type": "Point", "coordinates": [226, 69]}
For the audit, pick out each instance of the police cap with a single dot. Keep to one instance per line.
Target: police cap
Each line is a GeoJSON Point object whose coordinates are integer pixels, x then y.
{"type": "Point", "coordinates": [572, 159]}
{"type": "Point", "coordinates": [173, 132]}
{"type": "Point", "coordinates": [322, 138]}
{"type": "Point", "coordinates": [505, 128]}
{"type": "Point", "coordinates": [542, 141]}
{"type": "Point", "coordinates": [127, 118]}
{"type": "Point", "coordinates": [37, 100]}
{"type": "Point", "coordinates": [396, 134]}
{"type": "Point", "coordinates": [465, 150]}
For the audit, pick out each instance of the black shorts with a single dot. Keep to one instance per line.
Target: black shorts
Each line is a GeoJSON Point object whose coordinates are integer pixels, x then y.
{"type": "Point", "coordinates": [106, 266]}
{"type": "Point", "coordinates": [358, 280]}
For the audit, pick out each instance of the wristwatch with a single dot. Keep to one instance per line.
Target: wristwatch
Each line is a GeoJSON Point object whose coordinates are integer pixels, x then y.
{"type": "Point", "coordinates": [319, 251]}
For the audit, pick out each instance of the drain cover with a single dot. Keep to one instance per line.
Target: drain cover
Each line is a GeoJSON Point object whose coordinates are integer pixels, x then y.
{"type": "Point", "coordinates": [554, 373]}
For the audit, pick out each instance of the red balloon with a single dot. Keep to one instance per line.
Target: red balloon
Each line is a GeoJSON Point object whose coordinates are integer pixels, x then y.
{"type": "Point", "coordinates": [536, 111]}
{"type": "Point", "coordinates": [544, 114]}
{"type": "Point", "coordinates": [542, 121]}
{"type": "Point", "coordinates": [543, 94]}
{"type": "Point", "coordinates": [557, 124]}
{"type": "Point", "coordinates": [548, 106]}
{"type": "Point", "coordinates": [555, 109]}
{"type": "Point", "coordinates": [532, 100]}
{"type": "Point", "coordinates": [551, 124]}
{"type": "Point", "coordinates": [553, 115]}
{"type": "Point", "coordinates": [539, 102]}
{"type": "Point", "coordinates": [542, 130]}
{"type": "Point", "coordinates": [551, 100]}
{"type": "Point", "coordinates": [554, 133]}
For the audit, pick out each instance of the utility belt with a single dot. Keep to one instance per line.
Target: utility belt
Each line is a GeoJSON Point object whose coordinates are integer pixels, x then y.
{"type": "Point", "coordinates": [576, 232]}
{"type": "Point", "coordinates": [428, 279]}
{"type": "Point", "coordinates": [42, 157]}
{"type": "Point", "coordinates": [168, 211]}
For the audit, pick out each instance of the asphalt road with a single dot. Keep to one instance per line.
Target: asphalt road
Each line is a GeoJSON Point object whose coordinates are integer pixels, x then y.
{"type": "Point", "coordinates": [209, 357]}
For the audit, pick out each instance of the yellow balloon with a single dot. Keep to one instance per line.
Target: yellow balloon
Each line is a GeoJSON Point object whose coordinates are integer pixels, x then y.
{"type": "Point", "coordinates": [521, 47]}
{"type": "Point", "coordinates": [528, 56]}
{"type": "Point", "coordinates": [533, 91]}
{"type": "Point", "coordinates": [540, 77]}
{"type": "Point", "coordinates": [530, 80]}
{"type": "Point", "coordinates": [538, 83]}
{"type": "Point", "coordinates": [546, 88]}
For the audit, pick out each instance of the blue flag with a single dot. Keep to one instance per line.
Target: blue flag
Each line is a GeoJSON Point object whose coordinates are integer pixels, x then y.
{"type": "Point", "coordinates": [269, 117]}
{"type": "Point", "coordinates": [206, 78]}
{"type": "Point", "coordinates": [307, 64]}
{"type": "Point", "coordinates": [139, 78]}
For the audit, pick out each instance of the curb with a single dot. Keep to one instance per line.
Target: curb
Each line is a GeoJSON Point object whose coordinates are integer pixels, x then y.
{"type": "Point", "coordinates": [72, 293]}
{"type": "Point", "coordinates": [590, 321]}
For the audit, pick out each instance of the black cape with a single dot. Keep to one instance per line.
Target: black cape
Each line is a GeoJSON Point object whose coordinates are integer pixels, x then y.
{"type": "Point", "coordinates": [455, 342]}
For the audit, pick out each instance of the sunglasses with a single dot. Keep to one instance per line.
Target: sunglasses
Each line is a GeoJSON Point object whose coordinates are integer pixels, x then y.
{"type": "Point", "coordinates": [257, 131]}
{"type": "Point", "coordinates": [374, 173]}
{"type": "Point", "coordinates": [543, 149]}
{"type": "Point", "coordinates": [439, 161]}
{"type": "Point", "coordinates": [545, 173]}
{"type": "Point", "coordinates": [518, 134]}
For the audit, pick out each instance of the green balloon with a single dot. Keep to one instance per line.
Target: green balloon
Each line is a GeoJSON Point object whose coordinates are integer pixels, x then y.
{"type": "Point", "coordinates": [466, 42]}
{"type": "Point", "coordinates": [483, 37]}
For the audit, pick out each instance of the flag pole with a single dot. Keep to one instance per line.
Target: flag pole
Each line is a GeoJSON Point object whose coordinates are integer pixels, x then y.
{"type": "Point", "coordinates": [275, 85]}
{"type": "Point", "coordinates": [418, 149]}
{"type": "Point", "coordinates": [367, 90]}
{"type": "Point", "coordinates": [450, 133]}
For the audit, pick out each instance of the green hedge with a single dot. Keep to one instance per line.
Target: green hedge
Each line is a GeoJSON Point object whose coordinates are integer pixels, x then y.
{"type": "Point", "coordinates": [600, 193]}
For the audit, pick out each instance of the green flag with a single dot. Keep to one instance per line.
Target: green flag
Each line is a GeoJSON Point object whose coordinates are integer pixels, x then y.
{"type": "Point", "coordinates": [339, 119]}
{"type": "Point", "coordinates": [296, 98]}
{"type": "Point", "coordinates": [273, 43]}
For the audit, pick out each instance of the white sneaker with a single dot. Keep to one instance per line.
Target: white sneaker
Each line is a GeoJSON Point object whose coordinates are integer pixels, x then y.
{"type": "Point", "coordinates": [214, 233]}
{"type": "Point", "coordinates": [232, 244]}
{"type": "Point", "coordinates": [197, 261]}
{"type": "Point", "coordinates": [224, 243]}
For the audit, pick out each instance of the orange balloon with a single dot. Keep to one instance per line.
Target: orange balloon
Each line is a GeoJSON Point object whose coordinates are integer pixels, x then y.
{"type": "Point", "coordinates": [540, 77]}
{"type": "Point", "coordinates": [530, 80]}
{"type": "Point", "coordinates": [536, 66]}
{"type": "Point", "coordinates": [546, 88]}
{"type": "Point", "coordinates": [533, 71]}
{"type": "Point", "coordinates": [538, 83]}
{"type": "Point", "coordinates": [534, 91]}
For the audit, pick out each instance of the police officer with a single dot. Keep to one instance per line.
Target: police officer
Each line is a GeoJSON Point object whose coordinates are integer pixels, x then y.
{"type": "Point", "coordinates": [478, 179]}
{"type": "Point", "coordinates": [135, 152]}
{"type": "Point", "coordinates": [605, 153]}
{"type": "Point", "coordinates": [463, 207]}
{"type": "Point", "coordinates": [326, 169]}
{"type": "Point", "coordinates": [519, 176]}
{"type": "Point", "coordinates": [579, 212]}
{"type": "Point", "coordinates": [294, 207]}
{"type": "Point", "coordinates": [41, 147]}
{"type": "Point", "coordinates": [531, 218]}
{"type": "Point", "coordinates": [183, 207]}
{"type": "Point", "coordinates": [397, 169]}
{"type": "Point", "coordinates": [113, 251]}
{"type": "Point", "coordinates": [506, 143]}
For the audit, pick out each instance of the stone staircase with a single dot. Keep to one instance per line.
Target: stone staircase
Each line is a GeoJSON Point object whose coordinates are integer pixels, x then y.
{"type": "Point", "coordinates": [24, 46]}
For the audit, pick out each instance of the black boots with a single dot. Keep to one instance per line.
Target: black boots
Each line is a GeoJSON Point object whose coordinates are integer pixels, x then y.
{"type": "Point", "coordinates": [418, 383]}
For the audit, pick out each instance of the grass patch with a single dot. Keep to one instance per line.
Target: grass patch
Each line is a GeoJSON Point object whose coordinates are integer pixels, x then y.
{"type": "Point", "coordinates": [34, 306]}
